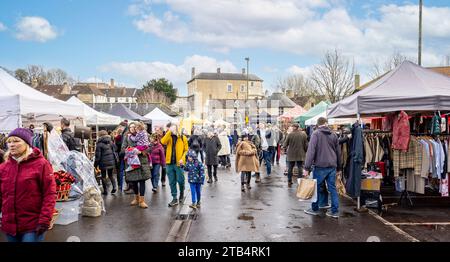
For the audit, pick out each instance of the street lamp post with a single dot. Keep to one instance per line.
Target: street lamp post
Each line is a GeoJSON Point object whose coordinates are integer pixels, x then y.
{"type": "Point", "coordinates": [246, 94]}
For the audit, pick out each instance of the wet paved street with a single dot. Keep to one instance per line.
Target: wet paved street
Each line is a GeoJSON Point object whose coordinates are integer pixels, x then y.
{"type": "Point", "coordinates": [270, 211]}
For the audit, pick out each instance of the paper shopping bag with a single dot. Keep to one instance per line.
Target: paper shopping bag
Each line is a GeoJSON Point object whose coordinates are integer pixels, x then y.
{"type": "Point", "coordinates": [306, 189]}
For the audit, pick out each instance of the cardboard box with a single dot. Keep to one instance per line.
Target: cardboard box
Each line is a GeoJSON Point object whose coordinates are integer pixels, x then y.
{"type": "Point", "coordinates": [371, 184]}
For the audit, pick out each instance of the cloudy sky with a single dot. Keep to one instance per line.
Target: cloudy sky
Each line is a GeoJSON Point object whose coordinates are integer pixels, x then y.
{"type": "Point", "coordinates": [134, 41]}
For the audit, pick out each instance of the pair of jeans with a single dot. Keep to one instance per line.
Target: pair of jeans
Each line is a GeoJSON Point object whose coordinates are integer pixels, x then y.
{"type": "Point", "coordinates": [163, 174]}
{"type": "Point", "coordinates": [176, 176]}
{"type": "Point", "coordinates": [212, 170]}
{"type": "Point", "coordinates": [328, 175]}
{"type": "Point", "coordinates": [138, 187]}
{"type": "Point", "coordinates": [25, 237]}
{"type": "Point", "coordinates": [245, 178]}
{"type": "Point", "coordinates": [155, 175]}
{"type": "Point", "coordinates": [291, 165]}
{"type": "Point", "coordinates": [110, 173]}
{"type": "Point", "coordinates": [196, 192]}
{"type": "Point", "coordinates": [267, 155]}
{"type": "Point", "coordinates": [273, 151]}
{"type": "Point", "coordinates": [120, 174]}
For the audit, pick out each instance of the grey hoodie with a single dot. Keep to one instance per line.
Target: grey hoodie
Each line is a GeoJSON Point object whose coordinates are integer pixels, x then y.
{"type": "Point", "coordinates": [323, 150]}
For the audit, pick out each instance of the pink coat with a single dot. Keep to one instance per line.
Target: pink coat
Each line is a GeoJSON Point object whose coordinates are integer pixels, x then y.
{"type": "Point", "coordinates": [400, 132]}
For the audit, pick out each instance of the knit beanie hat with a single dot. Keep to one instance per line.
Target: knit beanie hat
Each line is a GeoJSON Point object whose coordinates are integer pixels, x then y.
{"type": "Point", "coordinates": [24, 133]}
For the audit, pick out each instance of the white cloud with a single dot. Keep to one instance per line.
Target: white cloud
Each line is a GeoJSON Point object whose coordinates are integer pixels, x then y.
{"type": "Point", "coordinates": [2, 27]}
{"type": "Point", "coordinates": [34, 28]}
{"type": "Point", "coordinates": [305, 27]}
{"type": "Point", "coordinates": [305, 71]}
{"type": "Point", "coordinates": [142, 71]}
{"type": "Point", "coordinates": [93, 80]}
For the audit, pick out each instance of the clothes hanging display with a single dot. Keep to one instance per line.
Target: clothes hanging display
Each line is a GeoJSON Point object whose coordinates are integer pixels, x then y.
{"type": "Point", "coordinates": [356, 158]}
{"type": "Point", "coordinates": [400, 132]}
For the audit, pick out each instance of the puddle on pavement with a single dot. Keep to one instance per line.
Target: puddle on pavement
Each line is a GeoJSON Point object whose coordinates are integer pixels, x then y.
{"type": "Point", "coordinates": [252, 208]}
{"type": "Point", "coordinates": [245, 217]}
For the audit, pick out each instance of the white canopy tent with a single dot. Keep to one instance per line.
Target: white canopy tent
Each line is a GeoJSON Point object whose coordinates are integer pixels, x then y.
{"type": "Point", "coordinates": [93, 117]}
{"type": "Point", "coordinates": [19, 101]}
{"type": "Point", "coordinates": [331, 121]}
{"type": "Point", "coordinates": [159, 118]}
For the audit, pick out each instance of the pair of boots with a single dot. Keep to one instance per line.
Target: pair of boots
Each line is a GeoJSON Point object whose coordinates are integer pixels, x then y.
{"type": "Point", "coordinates": [139, 201]}
{"type": "Point", "coordinates": [210, 179]}
{"type": "Point", "coordinates": [243, 187]}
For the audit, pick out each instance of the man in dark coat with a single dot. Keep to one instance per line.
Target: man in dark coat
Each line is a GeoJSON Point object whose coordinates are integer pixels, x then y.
{"type": "Point", "coordinates": [212, 147]}
{"type": "Point", "coordinates": [68, 137]}
{"type": "Point", "coordinates": [296, 144]}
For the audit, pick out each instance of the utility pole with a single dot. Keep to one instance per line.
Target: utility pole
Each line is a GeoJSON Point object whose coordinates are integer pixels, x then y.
{"type": "Point", "coordinates": [420, 33]}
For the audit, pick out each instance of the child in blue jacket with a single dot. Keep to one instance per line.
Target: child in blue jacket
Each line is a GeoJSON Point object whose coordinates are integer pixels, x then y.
{"type": "Point", "coordinates": [196, 177]}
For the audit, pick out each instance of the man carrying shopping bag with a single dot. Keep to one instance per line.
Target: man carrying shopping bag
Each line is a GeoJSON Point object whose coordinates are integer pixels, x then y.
{"type": "Point", "coordinates": [324, 154]}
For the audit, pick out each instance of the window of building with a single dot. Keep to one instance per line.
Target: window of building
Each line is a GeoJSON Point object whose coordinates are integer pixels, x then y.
{"type": "Point", "coordinates": [230, 88]}
{"type": "Point", "coordinates": [251, 84]}
{"type": "Point", "coordinates": [242, 88]}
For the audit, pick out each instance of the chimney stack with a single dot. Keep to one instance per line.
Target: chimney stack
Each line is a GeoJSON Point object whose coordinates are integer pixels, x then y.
{"type": "Point", "coordinates": [112, 84]}
{"type": "Point", "coordinates": [357, 81]}
{"type": "Point", "coordinates": [66, 89]}
{"type": "Point", "coordinates": [218, 70]}
{"type": "Point", "coordinates": [193, 73]}
{"type": "Point", "coordinates": [243, 71]}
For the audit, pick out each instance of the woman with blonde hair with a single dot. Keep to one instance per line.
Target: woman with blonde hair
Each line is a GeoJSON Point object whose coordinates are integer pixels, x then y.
{"type": "Point", "coordinates": [27, 190]}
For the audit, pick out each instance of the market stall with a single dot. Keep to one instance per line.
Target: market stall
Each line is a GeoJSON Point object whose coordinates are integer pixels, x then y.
{"type": "Point", "coordinates": [331, 121]}
{"type": "Point", "coordinates": [314, 111]}
{"type": "Point", "coordinates": [159, 118]}
{"type": "Point", "coordinates": [22, 104]}
{"type": "Point", "coordinates": [94, 117]}
{"type": "Point", "coordinates": [413, 105]}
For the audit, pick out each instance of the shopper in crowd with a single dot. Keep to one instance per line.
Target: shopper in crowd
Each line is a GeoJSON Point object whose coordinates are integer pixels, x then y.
{"type": "Point", "coordinates": [2, 155]}
{"type": "Point", "coordinates": [225, 150]}
{"type": "Point", "coordinates": [235, 137]}
{"type": "Point", "coordinates": [177, 147]}
{"type": "Point", "coordinates": [157, 160]}
{"type": "Point", "coordinates": [266, 137]}
{"type": "Point", "coordinates": [278, 143]}
{"type": "Point", "coordinates": [256, 140]}
{"type": "Point", "coordinates": [212, 148]}
{"type": "Point", "coordinates": [296, 145]}
{"type": "Point", "coordinates": [27, 190]}
{"type": "Point", "coordinates": [160, 133]}
{"type": "Point", "coordinates": [141, 139]}
{"type": "Point", "coordinates": [324, 154]}
{"type": "Point", "coordinates": [246, 160]}
{"type": "Point", "coordinates": [196, 177]}
{"type": "Point", "coordinates": [137, 177]}
{"type": "Point", "coordinates": [106, 160]}
{"type": "Point", "coordinates": [286, 133]}
{"type": "Point", "coordinates": [121, 130]}
{"type": "Point", "coordinates": [195, 143]}
{"type": "Point", "coordinates": [68, 137]}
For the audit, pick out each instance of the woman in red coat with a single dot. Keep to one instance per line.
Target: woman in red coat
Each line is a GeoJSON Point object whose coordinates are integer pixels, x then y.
{"type": "Point", "coordinates": [27, 190]}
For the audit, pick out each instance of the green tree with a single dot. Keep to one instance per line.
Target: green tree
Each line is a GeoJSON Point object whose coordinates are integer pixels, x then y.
{"type": "Point", "coordinates": [21, 75]}
{"type": "Point", "coordinates": [158, 90]}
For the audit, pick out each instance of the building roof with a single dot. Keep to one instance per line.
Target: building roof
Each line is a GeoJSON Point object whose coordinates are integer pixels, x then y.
{"type": "Point", "coordinates": [226, 76]}
{"type": "Point", "coordinates": [284, 100]}
{"type": "Point", "coordinates": [86, 90]}
{"type": "Point", "coordinates": [120, 92]}
{"type": "Point", "coordinates": [51, 90]}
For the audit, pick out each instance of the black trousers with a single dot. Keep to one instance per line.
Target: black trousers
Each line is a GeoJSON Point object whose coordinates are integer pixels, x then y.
{"type": "Point", "coordinates": [291, 168]}
{"type": "Point", "coordinates": [138, 187]}
{"type": "Point", "coordinates": [110, 173]}
{"type": "Point", "coordinates": [245, 178]}
{"type": "Point", "coordinates": [210, 170]}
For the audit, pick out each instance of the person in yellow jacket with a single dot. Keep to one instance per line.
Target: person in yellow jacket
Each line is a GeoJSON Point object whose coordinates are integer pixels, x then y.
{"type": "Point", "coordinates": [177, 148]}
